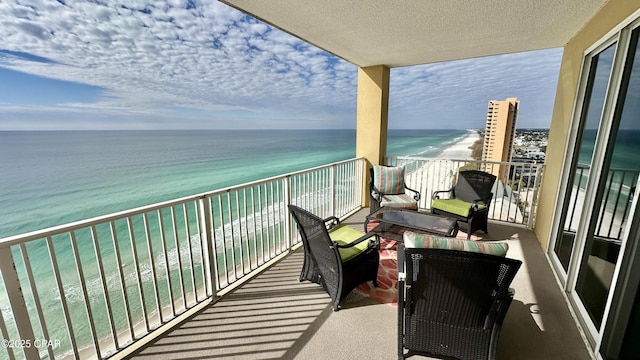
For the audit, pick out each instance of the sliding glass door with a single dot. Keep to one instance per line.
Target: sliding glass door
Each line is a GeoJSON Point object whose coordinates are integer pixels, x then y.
{"type": "Point", "coordinates": [598, 75]}
{"type": "Point", "coordinates": [605, 232]}
{"type": "Point", "coordinates": [596, 247]}
{"type": "Point", "coordinates": [615, 198]}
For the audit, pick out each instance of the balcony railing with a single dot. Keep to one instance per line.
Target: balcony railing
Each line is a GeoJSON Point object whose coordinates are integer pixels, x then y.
{"type": "Point", "coordinates": [515, 195]}
{"type": "Point", "coordinates": [99, 288]}
{"type": "Point", "coordinates": [616, 201]}
{"type": "Point", "coordinates": [94, 288]}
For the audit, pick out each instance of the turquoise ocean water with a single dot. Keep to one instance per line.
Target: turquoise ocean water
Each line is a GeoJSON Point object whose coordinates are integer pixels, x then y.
{"type": "Point", "coordinates": [624, 157]}
{"type": "Point", "coordinates": [50, 178]}
{"type": "Point", "coordinates": [53, 178]}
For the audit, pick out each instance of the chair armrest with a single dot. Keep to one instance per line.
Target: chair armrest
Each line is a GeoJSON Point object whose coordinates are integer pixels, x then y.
{"type": "Point", "coordinates": [359, 240]}
{"type": "Point", "coordinates": [436, 196]}
{"type": "Point", "coordinates": [485, 202]}
{"type": "Point", "coordinates": [477, 202]}
{"type": "Point", "coordinates": [331, 222]}
{"type": "Point", "coordinates": [377, 194]}
{"type": "Point", "coordinates": [416, 195]}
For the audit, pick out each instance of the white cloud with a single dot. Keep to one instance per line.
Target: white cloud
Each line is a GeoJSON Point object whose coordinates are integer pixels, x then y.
{"type": "Point", "coordinates": [459, 91]}
{"type": "Point", "coordinates": [154, 57]}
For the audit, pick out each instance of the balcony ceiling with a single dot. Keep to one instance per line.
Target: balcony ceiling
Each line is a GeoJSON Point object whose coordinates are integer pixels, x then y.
{"type": "Point", "coordinates": [402, 33]}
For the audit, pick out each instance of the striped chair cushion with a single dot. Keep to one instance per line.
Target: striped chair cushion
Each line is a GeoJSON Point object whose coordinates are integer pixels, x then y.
{"type": "Point", "coordinates": [402, 201]}
{"type": "Point", "coordinates": [389, 179]}
{"type": "Point", "coordinates": [414, 240]}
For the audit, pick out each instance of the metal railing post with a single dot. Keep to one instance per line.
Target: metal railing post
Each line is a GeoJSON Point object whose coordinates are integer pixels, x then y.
{"type": "Point", "coordinates": [361, 198]}
{"type": "Point", "coordinates": [343, 179]}
{"type": "Point", "coordinates": [439, 172]}
{"type": "Point", "coordinates": [286, 187]}
{"type": "Point", "coordinates": [533, 208]}
{"type": "Point", "coordinates": [206, 239]}
{"type": "Point", "coordinates": [18, 305]}
{"type": "Point", "coordinates": [332, 189]}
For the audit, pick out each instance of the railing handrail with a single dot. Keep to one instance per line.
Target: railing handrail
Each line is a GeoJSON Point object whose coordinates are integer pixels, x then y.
{"type": "Point", "coordinates": [516, 195]}
{"type": "Point", "coordinates": [42, 233]}
{"type": "Point", "coordinates": [413, 157]}
{"type": "Point", "coordinates": [528, 162]}
{"type": "Point", "coordinates": [218, 239]}
{"type": "Point", "coordinates": [586, 166]}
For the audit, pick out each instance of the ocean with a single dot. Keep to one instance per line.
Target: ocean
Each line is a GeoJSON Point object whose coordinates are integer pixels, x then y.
{"type": "Point", "coordinates": [624, 161]}
{"type": "Point", "coordinates": [50, 178]}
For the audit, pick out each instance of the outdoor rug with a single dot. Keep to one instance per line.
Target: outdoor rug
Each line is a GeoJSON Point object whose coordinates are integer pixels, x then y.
{"type": "Point", "coordinates": [387, 290]}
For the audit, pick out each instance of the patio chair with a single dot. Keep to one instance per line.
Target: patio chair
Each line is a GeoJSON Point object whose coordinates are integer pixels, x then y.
{"type": "Point", "coordinates": [452, 303]}
{"type": "Point", "coordinates": [387, 188]}
{"type": "Point", "coordinates": [468, 201]}
{"type": "Point", "coordinates": [336, 256]}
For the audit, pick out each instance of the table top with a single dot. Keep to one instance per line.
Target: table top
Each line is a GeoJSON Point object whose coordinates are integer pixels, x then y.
{"type": "Point", "coordinates": [395, 220]}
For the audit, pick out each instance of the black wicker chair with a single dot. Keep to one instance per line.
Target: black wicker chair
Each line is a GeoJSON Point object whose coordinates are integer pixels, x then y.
{"type": "Point", "coordinates": [469, 200]}
{"type": "Point", "coordinates": [452, 303]}
{"type": "Point", "coordinates": [337, 257]}
{"type": "Point", "coordinates": [387, 188]}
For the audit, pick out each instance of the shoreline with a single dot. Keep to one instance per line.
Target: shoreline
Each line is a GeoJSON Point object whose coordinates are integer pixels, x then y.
{"type": "Point", "coordinates": [462, 149]}
{"type": "Point", "coordinates": [437, 173]}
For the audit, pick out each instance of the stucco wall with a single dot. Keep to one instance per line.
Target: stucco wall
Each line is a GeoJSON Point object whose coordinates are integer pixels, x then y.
{"type": "Point", "coordinates": [372, 118]}
{"type": "Point", "coordinates": [610, 16]}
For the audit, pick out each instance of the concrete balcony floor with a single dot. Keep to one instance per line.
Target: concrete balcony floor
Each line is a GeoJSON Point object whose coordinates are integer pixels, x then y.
{"type": "Point", "coordinates": [274, 316]}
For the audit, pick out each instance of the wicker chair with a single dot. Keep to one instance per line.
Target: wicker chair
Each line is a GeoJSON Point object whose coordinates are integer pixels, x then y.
{"type": "Point", "coordinates": [451, 303]}
{"type": "Point", "coordinates": [468, 201]}
{"type": "Point", "coordinates": [387, 188]}
{"type": "Point", "coordinates": [336, 256]}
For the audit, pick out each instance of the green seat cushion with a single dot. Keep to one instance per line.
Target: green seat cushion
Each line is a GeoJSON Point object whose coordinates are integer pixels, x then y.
{"type": "Point", "coordinates": [344, 235]}
{"type": "Point", "coordinates": [455, 206]}
{"type": "Point", "coordinates": [414, 240]}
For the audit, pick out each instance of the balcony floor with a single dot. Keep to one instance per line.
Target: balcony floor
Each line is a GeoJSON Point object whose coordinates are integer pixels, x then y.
{"type": "Point", "coordinates": [274, 316]}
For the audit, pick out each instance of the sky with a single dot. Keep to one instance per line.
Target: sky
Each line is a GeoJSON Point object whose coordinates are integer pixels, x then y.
{"type": "Point", "coordinates": [188, 64]}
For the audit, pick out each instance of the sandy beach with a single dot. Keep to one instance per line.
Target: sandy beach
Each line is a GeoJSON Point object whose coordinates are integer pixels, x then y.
{"type": "Point", "coordinates": [460, 150]}
{"type": "Point", "coordinates": [438, 173]}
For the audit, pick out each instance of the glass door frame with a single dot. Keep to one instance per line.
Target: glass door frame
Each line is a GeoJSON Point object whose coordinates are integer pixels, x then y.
{"type": "Point", "coordinates": [570, 150]}
{"type": "Point", "coordinates": [621, 35]}
{"type": "Point", "coordinates": [628, 281]}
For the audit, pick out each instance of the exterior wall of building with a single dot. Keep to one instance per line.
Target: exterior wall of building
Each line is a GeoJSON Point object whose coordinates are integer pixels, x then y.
{"type": "Point", "coordinates": [500, 132]}
{"type": "Point", "coordinates": [372, 118]}
{"type": "Point", "coordinates": [611, 14]}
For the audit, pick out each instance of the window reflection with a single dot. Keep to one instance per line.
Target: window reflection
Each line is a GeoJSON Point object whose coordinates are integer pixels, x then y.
{"type": "Point", "coordinates": [596, 91]}
{"type": "Point", "coordinates": [615, 189]}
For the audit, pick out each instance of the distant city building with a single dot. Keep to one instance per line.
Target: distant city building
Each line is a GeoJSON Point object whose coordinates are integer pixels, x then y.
{"type": "Point", "coordinates": [499, 134]}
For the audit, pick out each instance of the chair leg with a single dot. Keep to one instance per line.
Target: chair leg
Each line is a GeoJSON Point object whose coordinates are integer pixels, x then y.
{"type": "Point", "coordinates": [485, 225]}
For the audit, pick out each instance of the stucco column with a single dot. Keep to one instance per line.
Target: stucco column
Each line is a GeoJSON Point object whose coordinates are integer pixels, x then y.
{"type": "Point", "coordinates": [372, 118]}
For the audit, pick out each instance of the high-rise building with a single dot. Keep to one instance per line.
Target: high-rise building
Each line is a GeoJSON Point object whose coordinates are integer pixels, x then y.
{"type": "Point", "coordinates": [500, 132]}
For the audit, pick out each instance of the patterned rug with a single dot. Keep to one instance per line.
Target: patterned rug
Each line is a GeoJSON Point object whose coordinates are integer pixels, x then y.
{"type": "Point", "coordinates": [387, 290]}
